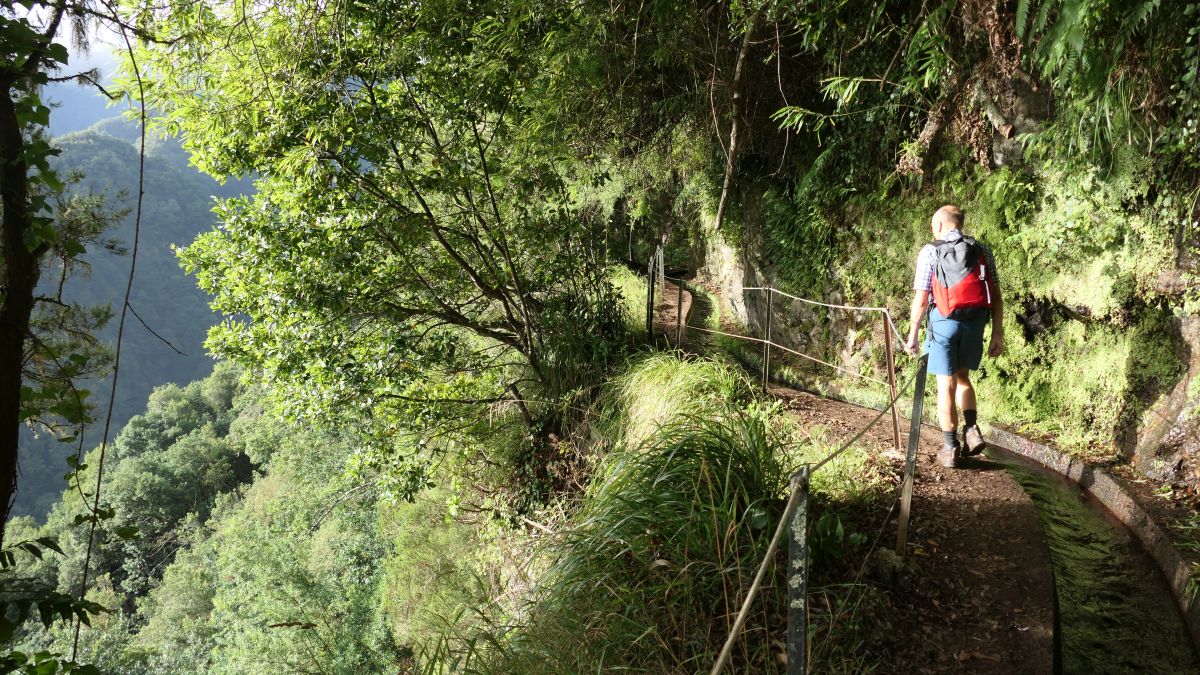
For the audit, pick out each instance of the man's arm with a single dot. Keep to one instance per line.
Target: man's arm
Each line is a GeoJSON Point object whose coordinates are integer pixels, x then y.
{"type": "Point", "coordinates": [996, 346]}
{"type": "Point", "coordinates": [919, 304]}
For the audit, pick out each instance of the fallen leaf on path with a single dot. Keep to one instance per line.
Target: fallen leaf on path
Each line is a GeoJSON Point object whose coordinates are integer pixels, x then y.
{"type": "Point", "coordinates": [965, 655]}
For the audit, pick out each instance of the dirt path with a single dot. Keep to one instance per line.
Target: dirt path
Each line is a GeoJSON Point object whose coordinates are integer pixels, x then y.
{"type": "Point", "coordinates": [979, 597]}
{"type": "Point", "coordinates": [696, 309]}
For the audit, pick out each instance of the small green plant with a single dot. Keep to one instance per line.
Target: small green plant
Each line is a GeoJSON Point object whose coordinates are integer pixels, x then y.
{"type": "Point", "coordinates": [1192, 589]}
{"type": "Point", "coordinates": [1189, 533]}
{"type": "Point", "coordinates": [830, 543]}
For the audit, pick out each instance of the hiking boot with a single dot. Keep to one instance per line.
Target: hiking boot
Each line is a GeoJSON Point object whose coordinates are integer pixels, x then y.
{"type": "Point", "coordinates": [948, 456]}
{"type": "Point", "coordinates": [973, 440]}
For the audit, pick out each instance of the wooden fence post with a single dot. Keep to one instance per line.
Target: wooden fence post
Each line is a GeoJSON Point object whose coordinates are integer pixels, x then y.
{"type": "Point", "coordinates": [661, 270]}
{"type": "Point", "coordinates": [679, 313]}
{"type": "Point", "coordinates": [910, 463]}
{"type": "Point", "coordinates": [891, 372]}
{"type": "Point", "coordinates": [650, 280]}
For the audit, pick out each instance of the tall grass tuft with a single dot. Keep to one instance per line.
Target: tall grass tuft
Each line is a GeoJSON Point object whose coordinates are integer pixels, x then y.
{"type": "Point", "coordinates": [632, 289]}
{"type": "Point", "coordinates": [659, 388]}
{"type": "Point", "coordinates": [649, 569]}
{"type": "Point", "coordinates": [661, 553]}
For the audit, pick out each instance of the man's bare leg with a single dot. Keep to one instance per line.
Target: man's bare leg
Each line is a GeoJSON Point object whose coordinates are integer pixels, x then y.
{"type": "Point", "coordinates": [947, 393]}
{"type": "Point", "coordinates": [948, 417]}
{"type": "Point", "coordinates": [964, 390]}
{"type": "Point", "coordinates": [972, 438]}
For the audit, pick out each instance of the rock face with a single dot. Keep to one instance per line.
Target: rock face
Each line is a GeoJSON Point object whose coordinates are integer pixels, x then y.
{"type": "Point", "coordinates": [849, 339]}
{"type": "Point", "coordinates": [1167, 444]}
{"type": "Point", "coordinates": [725, 268]}
{"type": "Point", "coordinates": [1027, 107]}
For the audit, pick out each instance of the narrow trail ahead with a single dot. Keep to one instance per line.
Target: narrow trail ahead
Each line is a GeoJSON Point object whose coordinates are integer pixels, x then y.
{"type": "Point", "coordinates": [979, 594]}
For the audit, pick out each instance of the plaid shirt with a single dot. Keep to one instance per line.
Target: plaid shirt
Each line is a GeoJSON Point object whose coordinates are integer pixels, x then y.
{"type": "Point", "coordinates": [927, 260]}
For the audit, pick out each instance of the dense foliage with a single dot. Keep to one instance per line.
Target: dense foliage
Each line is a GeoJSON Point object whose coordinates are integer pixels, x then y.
{"type": "Point", "coordinates": [259, 546]}
{"type": "Point", "coordinates": [412, 256]}
{"type": "Point", "coordinates": [441, 452]}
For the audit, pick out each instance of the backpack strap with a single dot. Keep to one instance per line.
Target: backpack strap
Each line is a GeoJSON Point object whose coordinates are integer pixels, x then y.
{"type": "Point", "coordinates": [971, 241]}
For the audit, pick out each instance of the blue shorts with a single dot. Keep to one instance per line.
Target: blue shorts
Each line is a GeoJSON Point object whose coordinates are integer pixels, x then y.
{"type": "Point", "coordinates": [954, 344]}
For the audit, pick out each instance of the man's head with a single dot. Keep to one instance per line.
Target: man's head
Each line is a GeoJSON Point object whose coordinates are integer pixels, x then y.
{"type": "Point", "coordinates": [947, 218]}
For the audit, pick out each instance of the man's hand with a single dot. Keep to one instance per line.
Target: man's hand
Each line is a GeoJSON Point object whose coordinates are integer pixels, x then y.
{"type": "Point", "coordinates": [996, 347]}
{"type": "Point", "coordinates": [912, 345]}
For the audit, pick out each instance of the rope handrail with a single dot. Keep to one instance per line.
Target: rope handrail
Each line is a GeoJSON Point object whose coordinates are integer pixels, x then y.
{"type": "Point", "coordinates": [895, 331]}
{"type": "Point", "coordinates": [747, 338]}
{"type": "Point", "coordinates": [899, 392]}
{"type": "Point", "coordinates": [790, 351]}
{"type": "Point", "coordinates": [887, 313]}
{"type": "Point", "coordinates": [856, 308]}
{"type": "Point", "coordinates": [868, 378]}
{"type": "Point", "coordinates": [788, 511]}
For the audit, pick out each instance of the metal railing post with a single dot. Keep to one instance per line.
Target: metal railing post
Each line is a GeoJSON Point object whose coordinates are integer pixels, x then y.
{"type": "Point", "coordinates": [891, 372]}
{"type": "Point", "coordinates": [650, 280]}
{"type": "Point", "coordinates": [797, 630]}
{"type": "Point", "coordinates": [679, 313]}
{"type": "Point", "coordinates": [661, 270]}
{"type": "Point", "coordinates": [910, 463]}
{"type": "Point", "coordinates": [767, 344]}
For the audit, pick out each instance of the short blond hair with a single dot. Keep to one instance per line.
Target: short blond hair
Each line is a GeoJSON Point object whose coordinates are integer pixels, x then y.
{"type": "Point", "coordinates": [949, 214]}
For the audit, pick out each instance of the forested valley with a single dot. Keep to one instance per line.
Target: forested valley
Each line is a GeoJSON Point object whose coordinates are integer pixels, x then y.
{"type": "Point", "coordinates": [169, 348]}
{"type": "Point", "coordinates": [397, 391]}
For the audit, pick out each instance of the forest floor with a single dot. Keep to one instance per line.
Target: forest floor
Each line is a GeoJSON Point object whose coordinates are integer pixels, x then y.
{"type": "Point", "coordinates": [977, 594]}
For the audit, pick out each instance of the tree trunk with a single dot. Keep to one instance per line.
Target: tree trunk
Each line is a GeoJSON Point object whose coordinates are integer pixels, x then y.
{"type": "Point", "coordinates": [21, 272]}
{"type": "Point", "coordinates": [734, 128]}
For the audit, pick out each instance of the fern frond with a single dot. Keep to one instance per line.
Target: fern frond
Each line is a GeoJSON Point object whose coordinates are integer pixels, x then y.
{"type": "Point", "coordinates": [1069, 63]}
{"type": "Point", "coordinates": [1022, 17]}
{"type": "Point", "coordinates": [1134, 20]}
{"type": "Point", "coordinates": [808, 180]}
{"type": "Point", "coordinates": [1043, 15]}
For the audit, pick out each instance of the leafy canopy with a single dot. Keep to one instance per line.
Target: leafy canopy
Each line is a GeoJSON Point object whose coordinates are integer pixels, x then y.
{"type": "Point", "coordinates": [412, 252]}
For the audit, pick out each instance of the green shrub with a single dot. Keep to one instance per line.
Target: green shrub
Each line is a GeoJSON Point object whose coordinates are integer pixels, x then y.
{"type": "Point", "coordinates": [632, 290]}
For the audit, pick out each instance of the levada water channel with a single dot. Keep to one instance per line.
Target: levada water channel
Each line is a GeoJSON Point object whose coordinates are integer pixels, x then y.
{"type": "Point", "coordinates": [1116, 613]}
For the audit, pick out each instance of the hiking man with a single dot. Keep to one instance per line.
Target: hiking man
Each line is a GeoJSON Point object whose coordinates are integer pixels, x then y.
{"type": "Point", "coordinates": [960, 274]}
